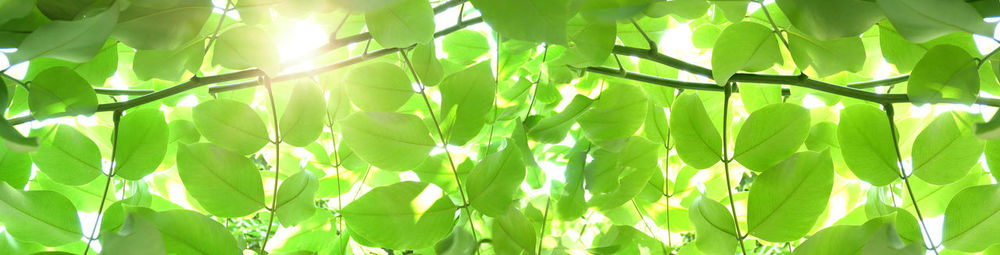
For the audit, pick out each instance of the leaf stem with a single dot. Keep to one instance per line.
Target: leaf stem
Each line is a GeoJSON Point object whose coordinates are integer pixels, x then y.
{"type": "Point", "coordinates": [218, 27]}
{"type": "Point", "coordinates": [277, 160]}
{"type": "Point", "coordinates": [649, 41]}
{"type": "Point", "coordinates": [496, 89]}
{"type": "Point", "coordinates": [538, 79]}
{"type": "Point", "coordinates": [107, 184]}
{"type": "Point", "coordinates": [725, 160]}
{"type": "Point", "coordinates": [444, 143]}
{"type": "Point", "coordinates": [890, 112]}
{"type": "Point", "coordinates": [642, 216]}
{"type": "Point", "coordinates": [336, 158]}
{"type": "Point", "coordinates": [987, 57]}
{"type": "Point", "coordinates": [545, 217]}
{"type": "Point", "coordinates": [777, 30]}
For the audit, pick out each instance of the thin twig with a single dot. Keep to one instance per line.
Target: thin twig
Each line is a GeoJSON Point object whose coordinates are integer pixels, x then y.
{"type": "Point", "coordinates": [545, 217]}
{"type": "Point", "coordinates": [277, 160]}
{"type": "Point", "coordinates": [725, 160]}
{"type": "Point", "coordinates": [211, 39]}
{"type": "Point", "coordinates": [538, 79]}
{"type": "Point", "coordinates": [890, 112]}
{"type": "Point", "coordinates": [444, 143]}
{"type": "Point", "coordinates": [107, 184]}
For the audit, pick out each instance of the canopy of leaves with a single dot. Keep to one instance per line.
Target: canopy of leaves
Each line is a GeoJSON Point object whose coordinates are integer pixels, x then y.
{"type": "Point", "coordinates": [499, 127]}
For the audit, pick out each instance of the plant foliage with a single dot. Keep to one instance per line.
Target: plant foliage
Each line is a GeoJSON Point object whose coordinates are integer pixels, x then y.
{"type": "Point", "coordinates": [499, 127]}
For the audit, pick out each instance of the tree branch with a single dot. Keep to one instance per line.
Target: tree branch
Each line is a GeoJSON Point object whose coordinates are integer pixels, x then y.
{"type": "Point", "coordinates": [707, 73]}
{"type": "Point", "coordinates": [851, 90]}
{"type": "Point", "coordinates": [338, 43]}
{"type": "Point", "coordinates": [341, 64]}
{"type": "Point", "coordinates": [196, 82]}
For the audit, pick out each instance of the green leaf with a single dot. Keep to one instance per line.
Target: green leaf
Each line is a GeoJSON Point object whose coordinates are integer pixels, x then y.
{"type": "Point", "coordinates": [13, 139]}
{"type": "Point", "coordinates": [786, 200]}
{"type": "Point", "coordinates": [829, 20]}
{"type": "Point", "coordinates": [471, 93]}
{"type": "Point", "coordinates": [69, 9]}
{"type": "Point", "coordinates": [655, 127]}
{"type": "Point", "coordinates": [827, 57]}
{"type": "Point", "coordinates": [45, 217]}
{"type": "Point", "coordinates": [620, 239]}
{"type": "Point", "coordinates": [389, 141]}
{"type": "Point", "coordinates": [67, 156]}
{"type": "Point", "coordinates": [661, 96]}
{"type": "Point", "coordinates": [971, 221]}
{"type": "Point", "coordinates": [714, 225]}
{"type": "Point", "coordinates": [59, 91]}
{"type": "Point", "coordinates": [295, 198]}
{"type": "Point", "coordinates": [898, 51]}
{"type": "Point", "coordinates": [183, 131]}
{"type": "Point", "coordinates": [13, 9]}
{"type": "Point", "coordinates": [989, 130]}
{"type": "Point", "coordinates": [770, 135]}
{"type": "Point", "coordinates": [137, 235]}
{"type": "Point", "coordinates": [877, 236]}
{"type": "Point", "coordinates": [613, 11]}
{"type": "Point", "coordinates": [304, 116]}
{"type": "Point", "coordinates": [465, 46]}
{"type": "Point", "coordinates": [426, 64]}
{"type": "Point", "coordinates": [554, 128]}
{"type": "Point", "coordinates": [380, 87]}
{"type": "Point", "coordinates": [527, 20]}
{"type": "Point", "coordinates": [338, 105]}
{"type": "Point", "coordinates": [75, 41]}
{"type": "Point", "coordinates": [866, 143]}
{"type": "Point", "coordinates": [224, 182]}
{"type": "Point", "coordinates": [187, 232]}
{"type": "Point", "coordinates": [491, 186]}
{"type": "Point", "coordinates": [401, 216]}
{"type": "Point", "coordinates": [142, 143]}
{"type": "Point", "coordinates": [922, 20]}
{"type": "Point", "coordinates": [704, 36]}
{"type": "Point", "coordinates": [513, 233]}
{"type": "Point", "coordinates": [161, 25]}
{"type": "Point", "coordinates": [946, 72]}
{"type": "Point", "coordinates": [933, 199]}
{"type": "Point", "coordinates": [743, 46]}
{"type": "Point", "coordinates": [618, 113]}
{"type": "Point", "coordinates": [246, 47]}
{"type": "Point", "coordinates": [622, 175]}
{"type": "Point", "coordinates": [96, 71]}
{"type": "Point", "coordinates": [402, 23]}
{"type": "Point", "coordinates": [698, 142]}
{"type": "Point", "coordinates": [945, 150]}
{"type": "Point", "coordinates": [992, 150]}
{"type": "Point", "coordinates": [685, 9]}
{"type": "Point", "coordinates": [571, 203]}
{"type": "Point", "coordinates": [734, 11]}
{"type": "Point", "coordinates": [592, 40]}
{"type": "Point", "coordinates": [230, 124]}
{"type": "Point", "coordinates": [169, 64]}
{"type": "Point", "coordinates": [15, 167]}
